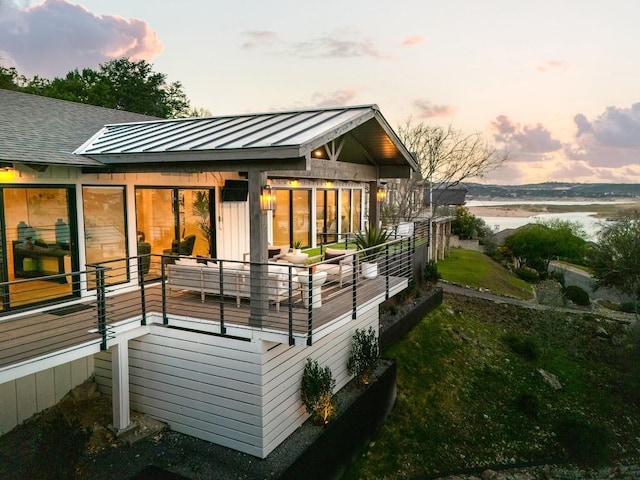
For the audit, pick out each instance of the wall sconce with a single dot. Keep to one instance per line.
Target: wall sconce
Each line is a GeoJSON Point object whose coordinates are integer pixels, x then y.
{"type": "Point", "coordinates": [381, 194]}
{"type": "Point", "coordinates": [267, 199]}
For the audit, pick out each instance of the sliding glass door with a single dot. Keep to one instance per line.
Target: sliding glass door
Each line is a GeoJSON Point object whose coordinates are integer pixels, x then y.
{"type": "Point", "coordinates": [291, 217]}
{"type": "Point", "coordinates": [175, 220]}
{"type": "Point", "coordinates": [38, 239]}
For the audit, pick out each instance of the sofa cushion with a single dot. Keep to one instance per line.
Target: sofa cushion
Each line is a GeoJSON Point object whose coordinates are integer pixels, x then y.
{"type": "Point", "coordinates": [334, 253]}
{"type": "Point", "coordinates": [186, 261]}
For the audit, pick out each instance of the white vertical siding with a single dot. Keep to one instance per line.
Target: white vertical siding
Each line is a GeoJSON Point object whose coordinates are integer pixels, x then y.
{"type": "Point", "coordinates": [239, 394]}
{"type": "Point", "coordinates": [232, 230]}
{"type": "Point", "coordinates": [25, 396]}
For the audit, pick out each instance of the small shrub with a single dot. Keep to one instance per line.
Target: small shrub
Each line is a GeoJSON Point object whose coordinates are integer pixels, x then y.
{"type": "Point", "coordinates": [431, 273]}
{"type": "Point", "coordinates": [558, 276]}
{"type": "Point", "coordinates": [528, 404]}
{"type": "Point", "coordinates": [364, 355]}
{"type": "Point", "coordinates": [629, 307]}
{"type": "Point", "coordinates": [577, 295]}
{"type": "Point", "coordinates": [60, 447]}
{"type": "Point", "coordinates": [317, 392]}
{"type": "Point", "coordinates": [527, 348]}
{"type": "Point", "coordinates": [527, 274]}
{"type": "Point", "coordinates": [583, 442]}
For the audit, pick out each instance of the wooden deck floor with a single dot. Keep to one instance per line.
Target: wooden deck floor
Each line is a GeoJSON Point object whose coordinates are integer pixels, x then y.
{"type": "Point", "coordinates": [46, 334]}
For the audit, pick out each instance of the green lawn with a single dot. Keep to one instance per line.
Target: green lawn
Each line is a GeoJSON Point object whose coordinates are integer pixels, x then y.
{"type": "Point", "coordinates": [470, 393]}
{"type": "Point", "coordinates": [475, 269]}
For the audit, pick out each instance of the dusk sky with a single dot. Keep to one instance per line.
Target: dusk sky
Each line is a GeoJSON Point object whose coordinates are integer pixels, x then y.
{"type": "Point", "coordinates": [557, 82]}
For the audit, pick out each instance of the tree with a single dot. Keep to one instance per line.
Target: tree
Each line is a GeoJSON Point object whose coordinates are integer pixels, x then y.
{"type": "Point", "coordinates": [535, 245]}
{"type": "Point", "coordinates": [121, 84]}
{"type": "Point", "coordinates": [468, 226]}
{"type": "Point", "coordinates": [446, 157]}
{"type": "Point", "coordinates": [615, 259]}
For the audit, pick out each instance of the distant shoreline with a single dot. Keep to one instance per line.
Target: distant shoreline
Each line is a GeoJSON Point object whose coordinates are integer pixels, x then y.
{"type": "Point", "coordinates": [600, 210]}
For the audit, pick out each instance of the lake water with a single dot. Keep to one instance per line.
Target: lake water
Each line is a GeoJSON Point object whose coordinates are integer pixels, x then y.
{"type": "Point", "coordinates": [590, 223]}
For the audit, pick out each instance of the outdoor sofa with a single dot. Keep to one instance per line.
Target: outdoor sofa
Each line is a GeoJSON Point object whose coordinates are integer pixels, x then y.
{"type": "Point", "coordinates": [234, 278]}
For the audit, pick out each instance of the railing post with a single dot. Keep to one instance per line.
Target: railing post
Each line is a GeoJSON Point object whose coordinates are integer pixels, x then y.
{"type": "Point", "coordinates": [310, 309]}
{"type": "Point", "coordinates": [102, 306]}
{"type": "Point", "coordinates": [223, 329]}
{"type": "Point", "coordinates": [163, 276]}
{"type": "Point", "coordinates": [291, 338]}
{"type": "Point", "coordinates": [354, 286]}
{"type": "Point", "coordinates": [386, 272]}
{"type": "Point", "coordinates": [143, 301]}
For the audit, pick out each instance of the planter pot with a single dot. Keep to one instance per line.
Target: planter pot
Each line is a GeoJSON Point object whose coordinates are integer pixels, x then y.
{"type": "Point", "coordinates": [369, 270]}
{"type": "Point", "coordinates": [297, 251]}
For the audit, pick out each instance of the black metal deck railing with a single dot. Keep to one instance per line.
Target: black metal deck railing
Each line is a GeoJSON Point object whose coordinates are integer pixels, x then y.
{"type": "Point", "coordinates": [217, 296]}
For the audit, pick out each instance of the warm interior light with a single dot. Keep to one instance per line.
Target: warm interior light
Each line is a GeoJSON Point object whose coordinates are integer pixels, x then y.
{"type": "Point", "coordinates": [328, 184]}
{"type": "Point", "coordinates": [267, 199]}
{"type": "Point", "coordinates": [381, 194]}
{"type": "Point", "coordinates": [294, 183]}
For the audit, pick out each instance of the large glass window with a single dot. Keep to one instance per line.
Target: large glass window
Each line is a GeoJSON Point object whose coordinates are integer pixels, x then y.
{"type": "Point", "coordinates": [291, 217]}
{"type": "Point", "coordinates": [357, 211]}
{"type": "Point", "coordinates": [326, 216]}
{"type": "Point", "coordinates": [172, 220]}
{"type": "Point", "coordinates": [105, 229]}
{"type": "Point", "coordinates": [38, 238]}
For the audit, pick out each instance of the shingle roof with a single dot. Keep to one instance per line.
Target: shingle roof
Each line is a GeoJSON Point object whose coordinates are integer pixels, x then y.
{"type": "Point", "coordinates": [43, 130]}
{"type": "Point", "coordinates": [261, 136]}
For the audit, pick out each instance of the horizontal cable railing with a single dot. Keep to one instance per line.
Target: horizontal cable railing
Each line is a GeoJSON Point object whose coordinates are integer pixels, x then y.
{"type": "Point", "coordinates": [224, 297]}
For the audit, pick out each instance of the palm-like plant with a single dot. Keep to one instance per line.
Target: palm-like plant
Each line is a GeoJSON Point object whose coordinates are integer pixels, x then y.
{"type": "Point", "coordinates": [372, 240]}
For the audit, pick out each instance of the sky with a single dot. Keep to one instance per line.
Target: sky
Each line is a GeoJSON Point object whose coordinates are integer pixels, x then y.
{"type": "Point", "coordinates": [554, 82]}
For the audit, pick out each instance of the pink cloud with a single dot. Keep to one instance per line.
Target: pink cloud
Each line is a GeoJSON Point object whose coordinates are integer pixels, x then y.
{"type": "Point", "coordinates": [426, 109]}
{"type": "Point", "coordinates": [335, 99]}
{"type": "Point", "coordinates": [259, 38]}
{"type": "Point", "coordinates": [551, 65]}
{"type": "Point", "coordinates": [413, 40]}
{"type": "Point", "coordinates": [524, 141]}
{"type": "Point", "coordinates": [55, 37]}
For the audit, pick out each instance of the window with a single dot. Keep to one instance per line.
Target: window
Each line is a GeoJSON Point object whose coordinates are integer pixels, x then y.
{"type": "Point", "coordinates": [39, 233]}
{"type": "Point", "coordinates": [291, 217]}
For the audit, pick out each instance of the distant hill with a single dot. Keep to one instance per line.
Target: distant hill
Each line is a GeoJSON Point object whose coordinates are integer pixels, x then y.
{"type": "Point", "coordinates": [553, 190]}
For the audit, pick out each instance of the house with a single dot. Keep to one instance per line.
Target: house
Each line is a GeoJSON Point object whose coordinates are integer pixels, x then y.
{"type": "Point", "coordinates": [136, 251]}
{"type": "Point", "coordinates": [441, 203]}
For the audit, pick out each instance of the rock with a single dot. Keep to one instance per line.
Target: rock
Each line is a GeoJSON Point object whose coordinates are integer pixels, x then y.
{"type": "Point", "coordinates": [489, 474]}
{"type": "Point", "coordinates": [550, 379]}
{"type": "Point", "coordinates": [602, 333]}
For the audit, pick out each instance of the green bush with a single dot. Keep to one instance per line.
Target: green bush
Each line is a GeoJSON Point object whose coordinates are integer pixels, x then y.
{"type": "Point", "coordinates": [528, 404]}
{"type": "Point", "coordinates": [61, 444]}
{"type": "Point", "coordinates": [524, 347]}
{"type": "Point", "coordinates": [577, 295]}
{"type": "Point", "coordinates": [431, 274]}
{"type": "Point", "coordinates": [629, 307]}
{"type": "Point", "coordinates": [583, 442]}
{"type": "Point", "coordinates": [317, 392]}
{"type": "Point", "coordinates": [364, 355]}
{"type": "Point", "coordinates": [558, 276]}
{"type": "Point", "coordinates": [527, 274]}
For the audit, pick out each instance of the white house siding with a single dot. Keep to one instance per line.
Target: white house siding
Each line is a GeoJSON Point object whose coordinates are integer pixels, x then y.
{"type": "Point", "coordinates": [28, 395]}
{"type": "Point", "coordinates": [282, 374]}
{"type": "Point", "coordinates": [232, 230]}
{"type": "Point", "coordinates": [242, 395]}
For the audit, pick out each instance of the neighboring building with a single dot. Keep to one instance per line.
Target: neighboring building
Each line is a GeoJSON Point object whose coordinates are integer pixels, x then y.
{"type": "Point", "coordinates": [96, 205]}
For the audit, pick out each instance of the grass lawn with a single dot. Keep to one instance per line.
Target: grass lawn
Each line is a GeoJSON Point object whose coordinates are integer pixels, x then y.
{"type": "Point", "coordinates": [470, 392]}
{"type": "Point", "coordinates": [475, 269]}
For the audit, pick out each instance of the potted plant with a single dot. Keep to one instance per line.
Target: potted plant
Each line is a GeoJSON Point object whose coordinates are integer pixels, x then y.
{"type": "Point", "coordinates": [297, 247]}
{"type": "Point", "coordinates": [371, 241]}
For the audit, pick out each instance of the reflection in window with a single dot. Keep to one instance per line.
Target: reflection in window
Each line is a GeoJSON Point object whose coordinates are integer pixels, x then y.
{"type": "Point", "coordinates": [291, 217]}
{"type": "Point", "coordinates": [105, 230]}
{"type": "Point", "coordinates": [38, 239]}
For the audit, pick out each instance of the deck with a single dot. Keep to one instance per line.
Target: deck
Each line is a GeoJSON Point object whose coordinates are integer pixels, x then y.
{"type": "Point", "coordinates": [36, 336]}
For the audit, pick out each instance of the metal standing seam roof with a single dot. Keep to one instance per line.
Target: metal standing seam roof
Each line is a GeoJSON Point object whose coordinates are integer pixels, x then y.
{"type": "Point", "coordinates": [291, 134]}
